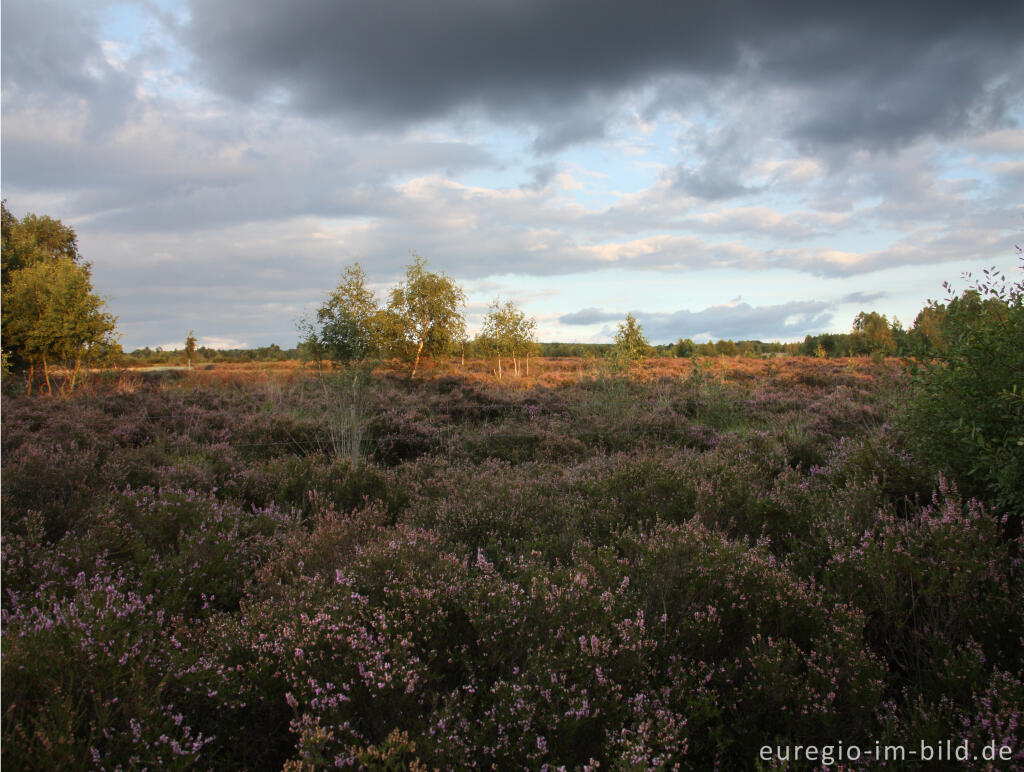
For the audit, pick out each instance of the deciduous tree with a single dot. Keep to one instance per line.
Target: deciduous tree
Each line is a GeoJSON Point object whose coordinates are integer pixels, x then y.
{"type": "Point", "coordinates": [33, 239]}
{"type": "Point", "coordinates": [51, 316]}
{"type": "Point", "coordinates": [424, 316]}
{"type": "Point", "coordinates": [966, 406]}
{"type": "Point", "coordinates": [190, 348]}
{"type": "Point", "coordinates": [630, 342]}
{"type": "Point", "coordinates": [347, 326]}
{"type": "Point", "coordinates": [872, 334]}
{"type": "Point", "coordinates": [508, 332]}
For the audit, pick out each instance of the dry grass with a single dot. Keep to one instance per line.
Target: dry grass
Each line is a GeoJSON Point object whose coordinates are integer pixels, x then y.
{"type": "Point", "coordinates": [550, 372]}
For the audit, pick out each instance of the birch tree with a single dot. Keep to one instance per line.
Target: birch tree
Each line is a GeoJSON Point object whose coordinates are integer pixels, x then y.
{"type": "Point", "coordinates": [424, 316]}
{"type": "Point", "coordinates": [508, 332]}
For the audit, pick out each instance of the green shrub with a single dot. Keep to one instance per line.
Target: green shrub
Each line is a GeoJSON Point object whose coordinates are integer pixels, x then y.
{"type": "Point", "coordinates": [966, 412]}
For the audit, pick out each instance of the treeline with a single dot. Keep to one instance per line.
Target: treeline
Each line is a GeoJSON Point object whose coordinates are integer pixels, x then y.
{"type": "Point", "coordinates": [55, 326]}
{"type": "Point", "coordinates": [872, 334]}
{"type": "Point", "coordinates": [472, 349]}
{"type": "Point", "coordinates": [206, 355]}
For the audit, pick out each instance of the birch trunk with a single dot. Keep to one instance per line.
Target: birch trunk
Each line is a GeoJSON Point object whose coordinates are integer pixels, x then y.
{"type": "Point", "coordinates": [416, 362]}
{"type": "Point", "coordinates": [74, 375]}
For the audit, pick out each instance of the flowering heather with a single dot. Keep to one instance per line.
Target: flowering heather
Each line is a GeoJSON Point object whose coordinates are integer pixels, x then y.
{"type": "Point", "coordinates": [577, 570]}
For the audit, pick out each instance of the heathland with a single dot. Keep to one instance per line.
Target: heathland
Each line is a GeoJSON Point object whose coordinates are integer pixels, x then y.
{"type": "Point", "coordinates": [672, 566]}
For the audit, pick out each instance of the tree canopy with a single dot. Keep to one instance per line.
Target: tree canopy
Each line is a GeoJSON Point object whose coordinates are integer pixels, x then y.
{"type": "Point", "coordinates": [966, 406]}
{"type": "Point", "coordinates": [873, 334]}
{"type": "Point", "coordinates": [51, 316]}
{"type": "Point", "coordinates": [508, 332]}
{"type": "Point", "coordinates": [33, 239]}
{"type": "Point", "coordinates": [424, 316]}
{"type": "Point", "coordinates": [630, 342]}
{"type": "Point", "coordinates": [348, 326]}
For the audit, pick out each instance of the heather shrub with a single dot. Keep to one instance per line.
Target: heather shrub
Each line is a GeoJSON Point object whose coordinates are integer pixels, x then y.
{"type": "Point", "coordinates": [613, 414]}
{"type": "Point", "coordinates": [804, 446]}
{"type": "Point", "coordinates": [744, 641]}
{"type": "Point", "coordinates": [404, 435]}
{"type": "Point", "coordinates": [533, 438]}
{"type": "Point", "coordinates": [315, 483]}
{"type": "Point", "coordinates": [282, 431]}
{"type": "Point", "coordinates": [504, 508]}
{"type": "Point", "coordinates": [361, 632]}
{"type": "Point", "coordinates": [869, 471]}
{"type": "Point", "coordinates": [635, 574]}
{"type": "Point", "coordinates": [640, 488]}
{"type": "Point", "coordinates": [934, 585]}
{"type": "Point", "coordinates": [984, 709]}
{"type": "Point", "coordinates": [193, 552]}
{"type": "Point", "coordinates": [52, 477]}
{"type": "Point", "coordinates": [709, 400]}
{"type": "Point", "coordinates": [606, 412]}
{"type": "Point", "coordinates": [84, 677]}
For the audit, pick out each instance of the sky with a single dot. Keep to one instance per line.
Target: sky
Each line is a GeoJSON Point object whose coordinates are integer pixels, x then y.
{"type": "Point", "coordinates": [719, 168]}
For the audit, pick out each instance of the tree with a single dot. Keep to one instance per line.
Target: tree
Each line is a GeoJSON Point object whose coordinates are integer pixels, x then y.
{"type": "Point", "coordinates": [190, 348]}
{"type": "Point", "coordinates": [424, 316]}
{"type": "Point", "coordinates": [508, 332]}
{"type": "Point", "coordinates": [346, 326]}
{"type": "Point", "coordinates": [33, 239]}
{"type": "Point", "coordinates": [52, 317]}
{"type": "Point", "coordinates": [926, 336]}
{"type": "Point", "coordinates": [726, 347]}
{"type": "Point", "coordinates": [872, 334]}
{"type": "Point", "coordinates": [684, 348]}
{"type": "Point", "coordinates": [630, 342]}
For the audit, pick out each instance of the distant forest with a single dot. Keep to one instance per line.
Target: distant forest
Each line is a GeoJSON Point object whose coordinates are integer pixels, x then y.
{"type": "Point", "coordinates": [274, 353]}
{"type": "Point", "coordinates": [875, 335]}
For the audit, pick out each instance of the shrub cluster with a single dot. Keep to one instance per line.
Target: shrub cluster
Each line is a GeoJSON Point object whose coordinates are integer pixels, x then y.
{"type": "Point", "coordinates": [593, 573]}
{"type": "Point", "coordinates": [966, 411]}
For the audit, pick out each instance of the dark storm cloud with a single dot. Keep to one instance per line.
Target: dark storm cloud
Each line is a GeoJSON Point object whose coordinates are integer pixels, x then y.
{"type": "Point", "coordinates": [874, 73]}
{"type": "Point", "coordinates": [736, 320]}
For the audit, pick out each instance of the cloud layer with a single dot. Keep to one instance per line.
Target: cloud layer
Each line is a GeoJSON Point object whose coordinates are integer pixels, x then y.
{"type": "Point", "coordinates": [735, 320]}
{"type": "Point", "coordinates": [238, 154]}
{"type": "Point", "coordinates": [877, 72]}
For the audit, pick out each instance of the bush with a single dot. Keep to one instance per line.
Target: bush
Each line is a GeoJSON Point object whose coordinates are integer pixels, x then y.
{"type": "Point", "coordinates": [966, 412]}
